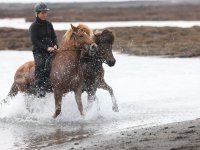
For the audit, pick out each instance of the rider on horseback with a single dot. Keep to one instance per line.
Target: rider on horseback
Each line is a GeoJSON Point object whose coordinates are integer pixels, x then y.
{"type": "Point", "coordinates": [44, 42]}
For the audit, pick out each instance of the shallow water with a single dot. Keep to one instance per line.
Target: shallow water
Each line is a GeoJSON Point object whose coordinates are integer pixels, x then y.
{"type": "Point", "coordinates": [20, 23]}
{"type": "Point", "coordinates": [150, 91]}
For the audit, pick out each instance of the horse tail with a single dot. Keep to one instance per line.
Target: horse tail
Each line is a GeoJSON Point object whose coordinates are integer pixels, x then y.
{"type": "Point", "coordinates": [13, 91]}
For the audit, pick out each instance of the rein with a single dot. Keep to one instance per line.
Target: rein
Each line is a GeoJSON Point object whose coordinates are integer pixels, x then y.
{"type": "Point", "coordinates": [66, 49]}
{"type": "Point", "coordinates": [97, 59]}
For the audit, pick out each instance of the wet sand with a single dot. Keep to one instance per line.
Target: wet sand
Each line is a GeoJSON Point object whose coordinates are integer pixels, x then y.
{"type": "Point", "coordinates": [174, 136]}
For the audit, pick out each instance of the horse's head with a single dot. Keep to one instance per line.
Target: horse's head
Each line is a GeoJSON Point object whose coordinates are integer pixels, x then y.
{"type": "Point", "coordinates": [79, 38]}
{"type": "Point", "coordinates": [105, 40]}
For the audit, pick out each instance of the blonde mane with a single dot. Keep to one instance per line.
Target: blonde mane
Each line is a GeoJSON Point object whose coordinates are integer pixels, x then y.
{"type": "Point", "coordinates": [67, 36]}
{"type": "Point", "coordinates": [85, 28]}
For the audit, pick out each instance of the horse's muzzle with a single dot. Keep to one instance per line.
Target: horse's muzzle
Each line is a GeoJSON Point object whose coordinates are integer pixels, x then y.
{"type": "Point", "coordinates": [111, 62]}
{"type": "Point", "coordinates": [93, 49]}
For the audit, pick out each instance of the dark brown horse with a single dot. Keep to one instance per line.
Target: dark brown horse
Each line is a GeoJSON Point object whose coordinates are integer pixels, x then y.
{"type": "Point", "coordinates": [93, 71]}
{"type": "Point", "coordinates": [66, 73]}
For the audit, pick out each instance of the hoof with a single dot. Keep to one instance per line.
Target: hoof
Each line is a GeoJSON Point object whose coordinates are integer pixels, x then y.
{"type": "Point", "coordinates": [82, 115]}
{"type": "Point", "coordinates": [115, 108]}
{"type": "Point", "coordinates": [56, 114]}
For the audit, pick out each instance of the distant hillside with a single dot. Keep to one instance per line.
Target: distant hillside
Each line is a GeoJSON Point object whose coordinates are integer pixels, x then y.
{"type": "Point", "coordinates": [108, 11]}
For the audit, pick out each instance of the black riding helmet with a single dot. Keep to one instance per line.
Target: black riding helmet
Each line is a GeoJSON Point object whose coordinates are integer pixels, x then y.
{"type": "Point", "coordinates": [40, 7]}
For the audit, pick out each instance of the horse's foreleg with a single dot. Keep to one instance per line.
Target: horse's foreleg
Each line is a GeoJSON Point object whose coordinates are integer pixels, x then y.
{"type": "Point", "coordinates": [58, 100]}
{"type": "Point", "coordinates": [79, 101]}
{"type": "Point", "coordinates": [90, 99]}
{"type": "Point", "coordinates": [106, 87]}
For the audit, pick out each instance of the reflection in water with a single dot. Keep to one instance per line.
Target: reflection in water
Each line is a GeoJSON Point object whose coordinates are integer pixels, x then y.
{"type": "Point", "coordinates": [54, 138]}
{"type": "Point", "coordinates": [33, 136]}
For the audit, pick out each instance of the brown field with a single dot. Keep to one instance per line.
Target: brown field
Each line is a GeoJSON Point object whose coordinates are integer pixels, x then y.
{"type": "Point", "coordinates": [109, 11]}
{"type": "Point", "coordinates": [146, 41]}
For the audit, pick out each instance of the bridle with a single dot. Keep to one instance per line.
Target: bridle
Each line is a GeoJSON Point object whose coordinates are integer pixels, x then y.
{"type": "Point", "coordinates": [75, 36]}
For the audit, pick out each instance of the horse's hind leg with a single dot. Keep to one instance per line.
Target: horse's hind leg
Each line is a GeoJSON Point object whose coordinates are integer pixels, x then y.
{"type": "Point", "coordinates": [105, 86]}
{"type": "Point", "coordinates": [79, 101]}
{"type": "Point", "coordinates": [58, 100]}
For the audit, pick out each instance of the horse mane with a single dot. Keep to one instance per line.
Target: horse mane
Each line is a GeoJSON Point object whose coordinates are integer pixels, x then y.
{"type": "Point", "coordinates": [85, 28]}
{"type": "Point", "coordinates": [67, 36]}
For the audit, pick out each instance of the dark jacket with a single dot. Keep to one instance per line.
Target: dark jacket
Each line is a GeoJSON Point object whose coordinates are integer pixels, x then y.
{"type": "Point", "coordinates": [42, 34]}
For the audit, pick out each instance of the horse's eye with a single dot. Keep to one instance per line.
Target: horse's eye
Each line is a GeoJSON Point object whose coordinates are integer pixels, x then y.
{"type": "Point", "coordinates": [81, 36]}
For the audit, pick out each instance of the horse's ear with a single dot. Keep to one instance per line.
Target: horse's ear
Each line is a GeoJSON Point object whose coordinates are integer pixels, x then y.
{"type": "Point", "coordinates": [97, 32]}
{"type": "Point", "coordinates": [73, 27]}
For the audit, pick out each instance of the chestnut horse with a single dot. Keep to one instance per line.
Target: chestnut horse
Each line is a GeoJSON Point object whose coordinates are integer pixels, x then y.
{"type": "Point", "coordinates": [66, 73]}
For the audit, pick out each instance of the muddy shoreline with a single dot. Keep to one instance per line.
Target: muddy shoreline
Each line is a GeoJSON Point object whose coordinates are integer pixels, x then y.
{"type": "Point", "coordinates": [175, 136]}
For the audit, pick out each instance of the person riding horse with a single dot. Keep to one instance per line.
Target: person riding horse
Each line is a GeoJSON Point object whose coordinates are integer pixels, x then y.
{"type": "Point", "coordinates": [44, 42]}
